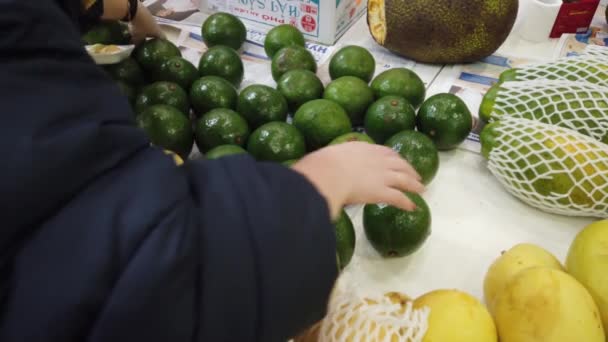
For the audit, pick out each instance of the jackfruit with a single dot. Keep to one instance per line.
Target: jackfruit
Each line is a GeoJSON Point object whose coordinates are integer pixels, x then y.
{"type": "Point", "coordinates": [441, 31]}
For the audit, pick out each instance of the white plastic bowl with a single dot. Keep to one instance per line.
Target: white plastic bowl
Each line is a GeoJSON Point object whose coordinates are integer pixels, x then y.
{"type": "Point", "coordinates": [113, 57]}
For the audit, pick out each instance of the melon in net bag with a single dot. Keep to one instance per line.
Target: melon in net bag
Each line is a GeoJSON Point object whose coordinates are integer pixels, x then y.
{"type": "Point", "coordinates": [354, 317]}
{"type": "Point", "coordinates": [551, 168]}
{"type": "Point", "coordinates": [596, 50]}
{"type": "Point", "coordinates": [591, 67]}
{"type": "Point", "coordinates": [580, 106]}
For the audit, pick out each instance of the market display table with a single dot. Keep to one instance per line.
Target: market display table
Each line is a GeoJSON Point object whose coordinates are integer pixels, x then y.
{"type": "Point", "coordinates": [473, 217]}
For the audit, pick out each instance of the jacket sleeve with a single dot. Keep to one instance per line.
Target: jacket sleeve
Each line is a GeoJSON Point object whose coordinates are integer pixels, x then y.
{"type": "Point", "coordinates": [105, 239]}
{"type": "Point", "coordinates": [282, 226]}
{"type": "Point", "coordinates": [258, 263]}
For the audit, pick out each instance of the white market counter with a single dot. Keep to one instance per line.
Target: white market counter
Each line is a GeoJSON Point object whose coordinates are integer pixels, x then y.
{"type": "Point", "coordinates": [474, 218]}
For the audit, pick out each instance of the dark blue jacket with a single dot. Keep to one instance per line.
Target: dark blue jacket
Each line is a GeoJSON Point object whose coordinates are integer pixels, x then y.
{"type": "Point", "coordinates": [105, 239]}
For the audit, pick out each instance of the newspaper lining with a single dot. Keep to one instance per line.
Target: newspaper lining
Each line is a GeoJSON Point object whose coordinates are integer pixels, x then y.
{"type": "Point", "coordinates": [257, 64]}
{"type": "Point", "coordinates": [470, 82]}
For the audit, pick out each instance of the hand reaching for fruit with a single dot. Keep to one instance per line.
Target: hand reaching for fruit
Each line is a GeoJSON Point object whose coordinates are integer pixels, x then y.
{"type": "Point", "coordinates": [143, 23]}
{"type": "Point", "coordinates": [144, 26]}
{"type": "Point", "coordinates": [358, 172]}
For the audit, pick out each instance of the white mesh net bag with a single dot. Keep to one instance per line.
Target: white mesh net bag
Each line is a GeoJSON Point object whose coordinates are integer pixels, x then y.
{"type": "Point", "coordinates": [354, 317]}
{"type": "Point", "coordinates": [548, 167]}
{"type": "Point", "coordinates": [596, 50]}
{"type": "Point", "coordinates": [378, 318]}
{"type": "Point", "coordinates": [592, 68]}
{"type": "Point", "coordinates": [580, 106]}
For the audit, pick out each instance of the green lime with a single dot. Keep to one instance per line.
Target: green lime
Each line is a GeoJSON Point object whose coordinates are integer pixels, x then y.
{"type": "Point", "coordinates": [167, 128]}
{"type": "Point", "coordinates": [446, 119]}
{"type": "Point", "coordinates": [419, 150]}
{"type": "Point", "coordinates": [300, 86]}
{"type": "Point", "coordinates": [354, 61]}
{"type": "Point", "coordinates": [393, 232]}
{"type": "Point", "coordinates": [400, 82]}
{"type": "Point", "coordinates": [212, 92]}
{"type": "Point", "coordinates": [350, 137]}
{"type": "Point", "coordinates": [353, 94]}
{"type": "Point", "coordinates": [220, 126]}
{"type": "Point", "coordinates": [281, 36]}
{"type": "Point", "coordinates": [291, 58]}
{"type": "Point", "coordinates": [224, 29]}
{"type": "Point", "coordinates": [153, 52]}
{"type": "Point", "coordinates": [276, 141]}
{"type": "Point", "coordinates": [167, 93]}
{"type": "Point", "coordinates": [321, 121]}
{"type": "Point", "coordinates": [127, 70]}
{"type": "Point", "coordinates": [224, 151]}
{"type": "Point", "coordinates": [178, 70]}
{"type": "Point", "coordinates": [222, 61]}
{"type": "Point", "coordinates": [345, 240]}
{"type": "Point", "coordinates": [108, 32]}
{"type": "Point", "coordinates": [260, 104]}
{"type": "Point", "coordinates": [388, 116]}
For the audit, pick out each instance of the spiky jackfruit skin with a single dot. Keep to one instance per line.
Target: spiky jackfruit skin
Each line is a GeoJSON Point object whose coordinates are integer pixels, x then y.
{"type": "Point", "coordinates": [441, 31]}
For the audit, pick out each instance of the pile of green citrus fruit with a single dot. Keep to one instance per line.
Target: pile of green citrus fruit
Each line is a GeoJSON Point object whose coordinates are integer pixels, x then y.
{"type": "Point", "coordinates": [179, 105]}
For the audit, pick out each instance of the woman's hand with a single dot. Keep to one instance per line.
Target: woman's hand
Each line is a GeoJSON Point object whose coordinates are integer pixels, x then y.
{"type": "Point", "coordinates": [358, 172]}
{"type": "Point", "coordinates": [144, 25]}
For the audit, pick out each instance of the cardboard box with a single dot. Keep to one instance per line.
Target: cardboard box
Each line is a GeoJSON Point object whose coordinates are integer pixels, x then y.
{"type": "Point", "coordinates": [574, 16]}
{"type": "Point", "coordinates": [321, 21]}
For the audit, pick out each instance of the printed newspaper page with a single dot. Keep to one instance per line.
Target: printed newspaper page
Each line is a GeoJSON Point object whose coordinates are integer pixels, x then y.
{"type": "Point", "coordinates": [182, 12]}
{"type": "Point", "coordinates": [186, 16]}
{"type": "Point", "coordinates": [255, 61]}
{"type": "Point", "coordinates": [187, 36]}
{"type": "Point", "coordinates": [470, 82]}
{"type": "Point", "coordinates": [257, 64]}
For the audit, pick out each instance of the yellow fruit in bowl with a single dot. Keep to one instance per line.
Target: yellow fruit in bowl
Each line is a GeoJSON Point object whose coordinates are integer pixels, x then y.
{"type": "Point", "coordinates": [587, 261]}
{"type": "Point", "coordinates": [456, 316]}
{"type": "Point", "coordinates": [542, 304]}
{"type": "Point", "coordinates": [511, 262]}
